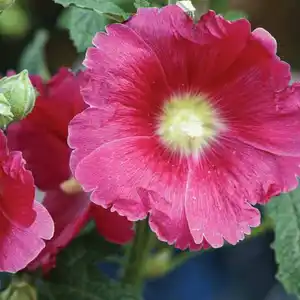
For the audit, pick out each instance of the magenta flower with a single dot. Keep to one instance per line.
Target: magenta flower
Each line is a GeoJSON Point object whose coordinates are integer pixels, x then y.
{"type": "Point", "coordinates": [191, 124]}
{"type": "Point", "coordinates": [25, 224]}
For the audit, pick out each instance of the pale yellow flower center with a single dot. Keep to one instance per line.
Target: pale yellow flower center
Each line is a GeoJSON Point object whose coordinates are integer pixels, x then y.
{"type": "Point", "coordinates": [188, 123]}
{"type": "Point", "coordinates": [71, 186]}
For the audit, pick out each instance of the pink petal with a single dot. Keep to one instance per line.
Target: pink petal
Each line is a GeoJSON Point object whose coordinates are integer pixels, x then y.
{"type": "Point", "coordinates": [195, 53]}
{"type": "Point", "coordinates": [266, 39]}
{"type": "Point", "coordinates": [115, 228]}
{"type": "Point", "coordinates": [289, 169]}
{"type": "Point", "coordinates": [219, 192]}
{"type": "Point", "coordinates": [119, 168]}
{"type": "Point", "coordinates": [100, 126]}
{"type": "Point", "coordinates": [217, 212]}
{"type": "Point", "coordinates": [256, 102]}
{"type": "Point", "coordinates": [134, 176]}
{"type": "Point", "coordinates": [19, 246]}
{"type": "Point", "coordinates": [43, 225]}
{"type": "Point", "coordinates": [121, 59]}
{"type": "Point", "coordinates": [169, 222]}
{"type": "Point", "coordinates": [211, 201]}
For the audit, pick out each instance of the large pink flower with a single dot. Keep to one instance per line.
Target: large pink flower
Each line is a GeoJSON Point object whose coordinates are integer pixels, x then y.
{"type": "Point", "coordinates": [24, 223]}
{"type": "Point", "coordinates": [42, 137]}
{"type": "Point", "coordinates": [189, 123]}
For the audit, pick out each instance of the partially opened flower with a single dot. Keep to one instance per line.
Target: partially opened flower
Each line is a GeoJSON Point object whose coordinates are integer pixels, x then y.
{"type": "Point", "coordinates": [42, 137]}
{"type": "Point", "coordinates": [25, 224]}
{"type": "Point", "coordinates": [189, 123]}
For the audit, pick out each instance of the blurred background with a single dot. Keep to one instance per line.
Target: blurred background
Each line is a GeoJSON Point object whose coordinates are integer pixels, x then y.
{"type": "Point", "coordinates": [19, 24]}
{"type": "Point", "coordinates": [244, 272]}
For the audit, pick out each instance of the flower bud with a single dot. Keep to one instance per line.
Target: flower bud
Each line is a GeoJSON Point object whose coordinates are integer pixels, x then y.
{"type": "Point", "coordinates": [159, 264]}
{"type": "Point", "coordinates": [6, 116]}
{"type": "Point", "coordinates": [19, 94]}
{"type": "Point", "coordinates": [19, 290]}
{"type": "Point", "coordinates": [4, 4]}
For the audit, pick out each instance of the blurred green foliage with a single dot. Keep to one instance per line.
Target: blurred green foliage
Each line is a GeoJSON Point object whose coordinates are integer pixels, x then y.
{"type": "Point", "coordinates": [14, 22]}
{"type": "Point", "coordinates": [86, 283]}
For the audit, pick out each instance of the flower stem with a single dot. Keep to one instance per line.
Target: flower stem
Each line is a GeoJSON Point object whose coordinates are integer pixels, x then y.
{"type": "Point", "coordinates": [138, 255]}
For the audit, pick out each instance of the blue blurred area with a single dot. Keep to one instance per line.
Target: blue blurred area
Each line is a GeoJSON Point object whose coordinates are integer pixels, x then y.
{"type": "Point", "coordinates": [243, 272]}
{"type": "Point", "coordinates": [198, 278]}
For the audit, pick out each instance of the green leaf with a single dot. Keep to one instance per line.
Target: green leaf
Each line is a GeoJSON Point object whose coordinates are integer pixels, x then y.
{"type": "Point", "coordinates": [141, 3]}
{"type": "Point", "coordinates": [220, 6]}
{"type": "Point", "coordinates": [82, 25]}
{"type": "Point", "coordinates": [100, 6]}
{"type": "Point", "coordinates": [33, 56]}
{"type": "Point", "coordinates": [285, 211]}
{"type": "Point", "coordinates": [77, 276]}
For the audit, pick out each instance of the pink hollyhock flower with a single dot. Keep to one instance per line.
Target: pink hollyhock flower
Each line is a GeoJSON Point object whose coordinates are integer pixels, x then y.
{"type": "Point", "coordinates": [42, 137]}
{"type": "Point", "coordinates": [25, 224]}
{"type": "Point", "coordinates": [189, 123]}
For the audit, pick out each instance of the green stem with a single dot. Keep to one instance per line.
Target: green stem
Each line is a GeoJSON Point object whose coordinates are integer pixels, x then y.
{"type": "Point", "coordinates": [267, 225]}
{"type": "Point", "coordinates": [138, 255]}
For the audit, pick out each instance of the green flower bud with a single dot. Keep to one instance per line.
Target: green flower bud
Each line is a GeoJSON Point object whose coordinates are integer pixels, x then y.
{"type": "Point", "coordinates": [19, 290]}
{"type": "Point", "coordinates": [158, 264]}
{"type": "Point", "coordinates": [6, 116]}
{"type": "Point", "coordinates": [4, 4]}
{"type": "Point", "coordinates": [19, 93]}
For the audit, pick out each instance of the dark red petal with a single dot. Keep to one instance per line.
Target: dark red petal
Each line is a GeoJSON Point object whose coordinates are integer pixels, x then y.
{"type": "Point", "coordinates": [3, 146]}
{"type": "Point", "coordinates": [42, 135]}
{"type": "Point", "coordinates": [17, 191]}
{"type": "Point", "coordinates": [46, 155]}
{"type": "Point", "coordinates": [38, 83]}
{"type": "Point", "coordinates": [115, 228]}
{"type": "Point", "coordinates": [66, 211]}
